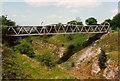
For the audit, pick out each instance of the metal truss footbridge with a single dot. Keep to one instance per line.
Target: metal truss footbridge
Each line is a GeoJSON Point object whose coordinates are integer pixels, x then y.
{"type": "Point", "coordinates": [55, 29]}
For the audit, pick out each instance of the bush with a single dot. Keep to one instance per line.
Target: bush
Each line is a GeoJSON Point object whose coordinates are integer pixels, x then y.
{"type": "Point", "coordinates": [69, 38]}
{"type": "Point", "coordinates": [72, 64]}
{"type": "Point", "coordinates": [25, 49]}
{"type": "Point", "coordinates": [102, 60]}
{"type": "Point", "coordinates": [70, 49]}
{"type": "Point", "coordinates": [10, 67]}
{"type": "Point", "coordinates": [46, 59]}
{"type": "Point", "coordinates": [62, 45]}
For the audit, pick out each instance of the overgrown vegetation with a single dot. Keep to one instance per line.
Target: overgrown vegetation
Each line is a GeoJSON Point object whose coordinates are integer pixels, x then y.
{"type": "Point", "coordinates": [24, 48]}
{"type": "Point", "coordinates": [10, 68]}
{"type": "Point", "coordinates": [102, 60]}
{"type": "Point", "coordinates": [67, 40]}
{"type": "Point", "coordinates": [115, 22]}
{"type": "Point", "coordinates": [74, 22]}
{"type": "Point", "coordinates": [46, 59]}
{"type": "Point", "coordinates": [78, 46]}
{"type": "Point", "coordinates": [4, 22]}
{"type": "Point", "coordinates": [91, 21]}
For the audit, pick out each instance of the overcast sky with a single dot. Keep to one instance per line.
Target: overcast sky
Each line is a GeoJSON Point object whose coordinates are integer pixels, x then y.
{"type": "Point", "coordinates": [33, 12]}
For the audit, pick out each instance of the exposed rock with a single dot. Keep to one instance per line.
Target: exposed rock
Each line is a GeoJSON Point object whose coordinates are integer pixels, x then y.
{"type": "Point", "coordinates": [95, 66]}
{"type": "Point", "coordinates": [90, 52]}
{"type": "Point", "coordinates": [110, 72]}
{"type": "Point", "coordinates": [55, 49]}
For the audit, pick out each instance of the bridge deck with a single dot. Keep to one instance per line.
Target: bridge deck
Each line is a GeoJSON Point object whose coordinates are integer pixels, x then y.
{"type": "Point", "coordinates": [55, 29]}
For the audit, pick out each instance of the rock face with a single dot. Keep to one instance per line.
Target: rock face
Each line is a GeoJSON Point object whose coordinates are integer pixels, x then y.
{"type": "Point", "coordinates": [54, 48]}
{"type": "Point", "coordinates": [110, 72]}
{"type": "Point", "coordinates": [90, 52]}
{"type": "Point", "coordinates": [86, 62]}
{"type": "Point", "coordinates": [95, 67]}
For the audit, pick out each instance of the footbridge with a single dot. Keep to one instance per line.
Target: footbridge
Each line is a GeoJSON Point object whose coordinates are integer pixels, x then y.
{"type": "Point", "coordinates": [55, 29]}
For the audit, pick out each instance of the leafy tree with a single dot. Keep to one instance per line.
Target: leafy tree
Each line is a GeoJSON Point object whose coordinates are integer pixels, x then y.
{"type": "Point", "coordinates": [115, 21]}
{"type": "Point", "coordinates": [106, 22]}
{"type": "Point", "coordinates": [102, 60]}
{"type": "Point", "coordinates": [59, 24]}
{"type": "Point", "coordinates": [91, 21]}
{"type": "Point", "coordinates": [4, 22]}
{"type": "Point", "coordinates": [74, 22]}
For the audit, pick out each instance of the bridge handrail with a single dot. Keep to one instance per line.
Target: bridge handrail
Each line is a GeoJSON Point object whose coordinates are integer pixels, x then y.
{"type": "Point", "coordinates": [59, 25]}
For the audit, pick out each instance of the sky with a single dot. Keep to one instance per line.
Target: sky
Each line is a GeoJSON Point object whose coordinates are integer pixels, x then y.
{"type": "Point", "coordinates": [33, 12]}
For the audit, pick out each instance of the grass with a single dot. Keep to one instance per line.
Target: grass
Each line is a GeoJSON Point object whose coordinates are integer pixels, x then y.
{"type": "Point", "coordinates": [67, 40]}
{"type": "Point", "coordinates": [114, 57]}
{"type": "Point", "coordinates": [109, 42]}
{"type": "Point", "coordinates": [36, 70]}
{"type": "Point", "coordinates": [31, 68]}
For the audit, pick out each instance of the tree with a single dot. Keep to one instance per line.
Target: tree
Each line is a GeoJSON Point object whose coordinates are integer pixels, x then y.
{"type": "Point", "coordinates": [4, 22]}
{"type": "Point", "coordinates": [74, 22]}
{"type": "Point", "coordinates": [59, 24]}
{"type": "Point", "coordinates": [91, 21]}
{"type": "Point", "coordinates": [102, 60]}
{"type": "Point", "coordinates": [115, 23]}
{"type": "Point", "coordinates": [106, 22]}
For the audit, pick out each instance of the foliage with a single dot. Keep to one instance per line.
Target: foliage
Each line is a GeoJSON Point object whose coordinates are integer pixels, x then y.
{"type": "Point", "coordinates": [102, 60]}
{"type": "Point", "coordinates": [72, 64]}
{"type": "Point", "coordinates": [17, 66]}
{"type": "Point", "coordinates": [10, 68]}
{"type": "Point", "coordinates": [70, 49]}
{"type": "Point", "coordinates": [91, 21]}
{"type": "Point", "coordinates": [74, 22]}
{"type": "Point", "coordinates": [69, 39]}
{"type": "Point", "coordinates": [24, 49]}
{"type": "Point", "coordinates": [4, 22]}
{"type": "Point", "coordinates": [111, 40]}
{"type": "Point", "coordinates": [106, 22]}
{"type": "Point", "coordinates": [115, 22]}
{"type": "Point", "coordinates": [46, 59]}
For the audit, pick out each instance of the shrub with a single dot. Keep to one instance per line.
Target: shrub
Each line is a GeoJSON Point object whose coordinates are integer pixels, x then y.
{"type": "Point", "coordinates": [10, 68]}
{"type": "Point", "coordinates": [25, 49]}
{"type": "Point", "coordinates": [62, 45]}
{"type": "Point", "coordinates": [102, 60]}
{"type": "Point", "coordinates": [69, 38]}
{"type": "Point", "coordinates": [72, 64]}
{"type": "Point", "coordinates": [46, 59]}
